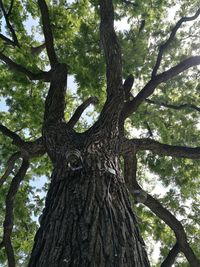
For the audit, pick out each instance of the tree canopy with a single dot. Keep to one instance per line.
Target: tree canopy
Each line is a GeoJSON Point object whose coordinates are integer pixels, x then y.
{"type": "Point", "coordinates": [159, 45]}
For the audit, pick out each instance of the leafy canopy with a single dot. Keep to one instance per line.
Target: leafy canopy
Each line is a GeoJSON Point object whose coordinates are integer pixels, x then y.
{"type": "Point", "coordinates": [142, 26]}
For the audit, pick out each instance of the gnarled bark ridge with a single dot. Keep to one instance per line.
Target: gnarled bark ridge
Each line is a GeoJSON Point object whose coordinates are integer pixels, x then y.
{"type": "Point", "coordinates": [87, 220]}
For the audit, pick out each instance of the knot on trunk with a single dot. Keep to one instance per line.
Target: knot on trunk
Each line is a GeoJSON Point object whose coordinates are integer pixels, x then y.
{"type": "Point", "coordinates": [74, 159]}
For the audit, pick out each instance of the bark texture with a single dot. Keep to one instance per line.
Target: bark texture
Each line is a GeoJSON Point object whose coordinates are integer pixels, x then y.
{"type": "Point", "coordinates": [87, 220]}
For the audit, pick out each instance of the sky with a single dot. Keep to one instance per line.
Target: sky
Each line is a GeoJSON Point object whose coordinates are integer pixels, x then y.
{"type": "Point", "coordinates": [122, 25]}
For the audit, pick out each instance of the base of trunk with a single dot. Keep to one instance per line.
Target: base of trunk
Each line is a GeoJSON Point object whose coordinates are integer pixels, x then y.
{"type": "Point", "coordinates": [87, 221]}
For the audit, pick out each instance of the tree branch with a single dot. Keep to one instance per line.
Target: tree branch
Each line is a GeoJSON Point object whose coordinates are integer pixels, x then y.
{"type": "Point", "coordinates": [10, 9]}
{"type": "Point", "coordinates": [77, 114]}
{"type": "Point", "coordinates": [37, 49]}
{"type": "Point", "coordinates": [29, 149]}
{"type": "Point", "coordinates": [8, 222]}
{"type": "Point", "coordinates": [55, 100]}
{"type": "Point", "coordinates": [149, 88]}
{"type": "Point", "coordinates": [156, 207]}
{"type": "Point", "coordinates": [160, 149]}
{"type": "Point", "coordinates": [170, 259]}
{"type": "Point", "coordinates": [178, 107]}
{"type": "Point", "coordinates": [6, 16]}
{"type": "Point", "coordinates": [17, 140]}
{"type": "Point", "coordinates": [164, 46]}
{"type": "Point", "coordinates": [175, 225]}
{"type": "Point", "coordinates": [47, 32]}
{"type": "Point", "coordinates": [7, 40]}
{"type": "Point", "coordinates": [10, 165]}
{"type": "Point", "coordinates": [111, 48]}
{"type": "Point", "coordinates": [32, 76]}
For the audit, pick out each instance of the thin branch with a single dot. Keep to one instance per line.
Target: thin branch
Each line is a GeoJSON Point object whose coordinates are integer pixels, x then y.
{"type": "Point", "coordinates": [176, 107]}
{"type": "Point", "coordinates": [159, 148]}
{"type": "Point", "coordinates": [164, 46]}
{"type": "Point", "coordinates": [171, 257]}
{"type": "Point", "coordinates": [9, 216]}
{"type": "Point", "coordinates": [156, 207]}
{"type": "Point", "coordinates": [8, 24]}
{"type": "Point", "coordinates": [77, 114]}
{"type": "Point", "coordinates": [111, 48]}
{"type": "Point", "coordinates": [32, 76]}
{"type": "Point", "coordinates": [10, 165]}
{"type": "Point", "coordinates": [47, 32]}
{"type": "Point", "coordinates": [149, 88]}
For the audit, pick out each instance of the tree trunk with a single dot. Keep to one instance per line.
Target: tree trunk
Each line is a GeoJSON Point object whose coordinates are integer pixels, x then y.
{"type": "Point", "coordinates": [87, 219]}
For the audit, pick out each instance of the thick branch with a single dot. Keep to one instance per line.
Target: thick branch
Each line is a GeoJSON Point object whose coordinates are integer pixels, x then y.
{"type": "Point", "coordinates": [55, 101]}
{"type": "Point", "coordinates": [111, 48]}
{"type": "Point", "coordinates": [170, 259]}
{"type": "Point", "coordinates": [149, 88]}
{"type": "Point", "coordinates": [175, 225]}
{"type": "Point", "coordinates": [155, 206]}
{"type": "Point", "coordinates": [176, 107]}
{"type": "Point", "coordinates": [17, 140]}
{"type": "Point", "coordinates": [47, 32]}
{"type": "Point", "coordinates": [10, 165]}
{"type": "Point", "coordinates": [32, 76]}
{"type": "Point", "coordinates": [7, 40]}
{"type": "Point", "coordinates": [160, 149]}
{"type": "Point", "coordinates": [8, 24]}
{"type": "Point", "coordinates": [8, 222]}
{"type": "Point", "coordinates": [164, 46]}
{"type": "Point", "coordinates": [77, 114]}
{"type": "Point", "coordinates": [29, 149]}
{"type": "Point", "coordinates": [10, 9]}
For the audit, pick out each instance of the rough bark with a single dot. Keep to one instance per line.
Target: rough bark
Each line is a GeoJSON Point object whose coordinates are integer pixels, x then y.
{"type": "Point", "coordinates": [87, 220]}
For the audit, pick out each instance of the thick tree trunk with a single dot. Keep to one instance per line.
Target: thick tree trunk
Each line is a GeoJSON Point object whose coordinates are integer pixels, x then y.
{"type": "Point", "coordinates": [87, 220]}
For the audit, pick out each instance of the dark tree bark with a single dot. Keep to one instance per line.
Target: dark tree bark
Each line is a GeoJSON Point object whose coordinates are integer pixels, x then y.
{"type": "Point", "coordinates": [87, 219]}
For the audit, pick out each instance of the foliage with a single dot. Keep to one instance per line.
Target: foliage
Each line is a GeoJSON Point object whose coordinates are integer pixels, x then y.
{"type": "Point", "coordinates": [75, 26]}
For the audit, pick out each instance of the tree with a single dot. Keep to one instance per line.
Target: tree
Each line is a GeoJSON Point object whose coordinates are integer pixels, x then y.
{"type": "Point", "coordinates": [88, 219]}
